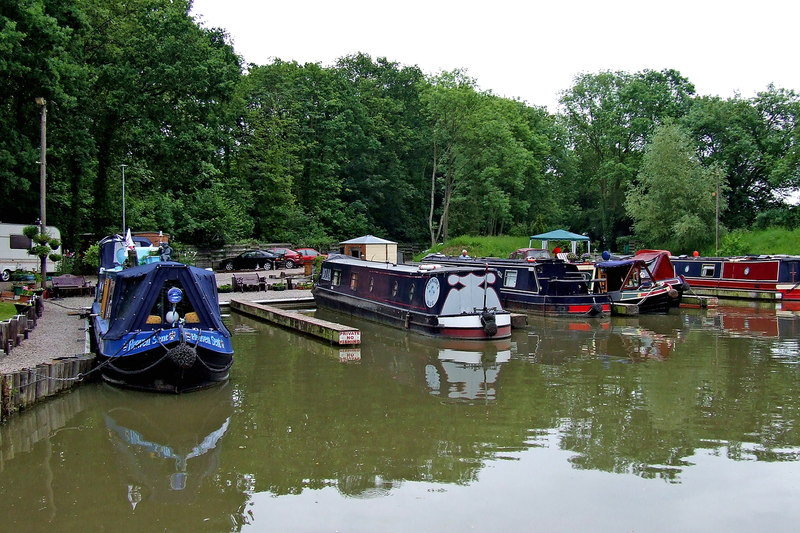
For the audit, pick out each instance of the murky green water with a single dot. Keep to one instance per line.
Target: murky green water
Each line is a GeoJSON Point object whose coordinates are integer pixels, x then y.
{"type": "Point", "coordinates": [685, 422]}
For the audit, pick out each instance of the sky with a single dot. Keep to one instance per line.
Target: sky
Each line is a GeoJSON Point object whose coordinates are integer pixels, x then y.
{"type": "Point", "coordinates": [531, 50]}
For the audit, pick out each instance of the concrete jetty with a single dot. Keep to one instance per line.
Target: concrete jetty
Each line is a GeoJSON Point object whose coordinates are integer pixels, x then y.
{"type": "Point", "coordinates": [322, 329]}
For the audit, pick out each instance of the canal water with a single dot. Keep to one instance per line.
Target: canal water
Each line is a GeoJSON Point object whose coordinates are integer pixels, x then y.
{"type": "Point", "coordinates": [684, 422]}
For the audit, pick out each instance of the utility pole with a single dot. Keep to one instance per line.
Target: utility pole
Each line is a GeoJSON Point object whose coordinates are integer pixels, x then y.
{"type": "Point", "coordinates": [43, 183]}
{"type": "Point", "coordinates": [124, 227]}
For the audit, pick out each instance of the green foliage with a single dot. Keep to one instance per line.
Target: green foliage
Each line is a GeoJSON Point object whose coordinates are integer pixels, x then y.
{"type": "Point", "coordinates": [733, 244]}
{"type": "Point", "coordinates": [479, 246]}
{"type": "Point", "coordinates": [674, 203]}
{"type": "Point", "coordinates": [313, 154]}
{"type": "Point", "coordinates": [92, 257]}
{"type": "Point", "coordinates": [770, 241]}
{"type": "Point", "coordinates": [610, 117]}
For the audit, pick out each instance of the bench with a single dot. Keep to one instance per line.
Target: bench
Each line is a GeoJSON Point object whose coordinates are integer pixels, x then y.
{"type": "Point", "coordinates": [68, 283]}
{"type": "Point", "coordinates": [243, 282]}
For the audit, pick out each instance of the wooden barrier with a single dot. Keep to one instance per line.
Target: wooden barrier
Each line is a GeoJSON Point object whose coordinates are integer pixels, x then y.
{"type": "Point", "coordinates": [322, 329]}
{"type": "Point", "coordinates": [22, 388]}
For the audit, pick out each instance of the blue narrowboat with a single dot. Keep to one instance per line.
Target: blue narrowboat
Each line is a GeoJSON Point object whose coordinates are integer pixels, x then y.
{"type": "Point", "coordinates": [451, 302]}
{"type": "Point", "coordinates": [157, 325]}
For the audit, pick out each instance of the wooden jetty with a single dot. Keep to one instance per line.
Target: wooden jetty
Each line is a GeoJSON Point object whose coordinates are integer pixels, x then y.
{"type": "Point", "coordinates": [322, 329]}
{"type": "Point", "coordinates": [698, 302]}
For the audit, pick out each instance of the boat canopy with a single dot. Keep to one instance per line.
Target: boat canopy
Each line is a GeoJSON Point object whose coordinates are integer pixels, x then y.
{"type": "Point", "coordinates": [658, 263]}
{"type": "Point", "coordinates": [560, 235]}
{"type": "Point", "coordinates": [619, 263]}
{"type": "Point", "coordinates": [139, 288]}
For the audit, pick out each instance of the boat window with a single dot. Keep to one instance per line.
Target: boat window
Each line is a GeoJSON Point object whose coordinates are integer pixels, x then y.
{"type": "Point", "coordinates": [158, 313]}
{"type": "Point", "coordinates": [707, 271]}
{"type": "Point", "coordinates": [746, 271]}
{"type": "Point", "coordinates": [337, 277]}
{"type": "Point", "coordinates": [354, 281]}
{"type": "Point", "coordinates": [411, 292]}
{"type": "Point", "coordinates": [371, 284]}
{"type": "Point", "coordinates": [394, 288]}
{"type": "Point", "coordinates": [510, 278]}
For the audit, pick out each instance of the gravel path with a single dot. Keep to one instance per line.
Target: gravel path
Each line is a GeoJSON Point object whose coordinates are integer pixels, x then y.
{"type": "Point", "coordinates": [60, 332]}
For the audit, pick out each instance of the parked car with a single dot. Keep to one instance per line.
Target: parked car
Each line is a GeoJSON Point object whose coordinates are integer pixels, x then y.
{"type": "Point", "coordinates": [309, 254]}
{"type": "Point", "coordinates": [252, 260]}
{"type": "Point", "coordinates": [292, 258]}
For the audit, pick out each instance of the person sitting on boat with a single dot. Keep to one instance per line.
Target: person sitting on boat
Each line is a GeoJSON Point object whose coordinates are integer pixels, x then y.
{"type": "Point", "coordinates": [464, 255]}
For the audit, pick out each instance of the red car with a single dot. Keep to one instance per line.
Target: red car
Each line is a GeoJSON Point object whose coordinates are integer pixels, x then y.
{"type": "Point", "coordinates": [309, 254]}
{"type": "Point", "coordinates": [292, 258]}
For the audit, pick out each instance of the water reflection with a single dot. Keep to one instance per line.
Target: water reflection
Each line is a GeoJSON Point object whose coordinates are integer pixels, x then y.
{"type": "Point", "coordinates": [165, 446]}
{"type": "Point", "coordinates": [314, 428]}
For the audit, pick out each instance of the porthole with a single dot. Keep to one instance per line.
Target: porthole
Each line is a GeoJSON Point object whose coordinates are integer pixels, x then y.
{"type": "Point", "coordinates": [686, 269]}
{"type": "Point", "coordinates": [746, 271]}
{"type": "Point", "coordinates": [411, 293]}
{"type": "Point", "coordinates": [371, 284]}
{"type": "Point", "coordinates": [394, 288]}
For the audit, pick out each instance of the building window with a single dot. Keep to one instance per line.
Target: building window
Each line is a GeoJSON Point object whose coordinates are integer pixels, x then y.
{"type": "Point", "coordinates": [19, 242]}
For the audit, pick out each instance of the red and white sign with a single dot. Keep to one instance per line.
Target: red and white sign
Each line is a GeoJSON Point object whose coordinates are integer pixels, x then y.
{"type": "Point", "coordinates": [350, 337]}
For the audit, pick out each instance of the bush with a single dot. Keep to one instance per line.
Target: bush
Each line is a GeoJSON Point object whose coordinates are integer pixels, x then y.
{"type": "Point", "coordinates": [224, 288]}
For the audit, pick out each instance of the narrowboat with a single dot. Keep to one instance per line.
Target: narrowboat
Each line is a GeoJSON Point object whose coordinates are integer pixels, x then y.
{"type": "Point", "coordinates": [450, 302]}
{"type": "Point", "coordinates": [156, 326]}
{"type": "Point", "coordinates": [663, 271]}
{"type": "Point", "coordinates": [547, 287]}
{"type": "Point", "coordinates": [756, 278]}
{"type": "Point", "coordinates": [630, 281]}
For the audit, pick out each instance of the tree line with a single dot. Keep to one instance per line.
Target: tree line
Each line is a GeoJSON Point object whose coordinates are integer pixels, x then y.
{"type": "Point", "coordinates": [217, 151]}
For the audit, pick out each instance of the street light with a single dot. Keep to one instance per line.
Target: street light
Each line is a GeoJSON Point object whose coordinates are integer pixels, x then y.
{"type": "Point", "coordinates": [43, 182]}
{"type": "Point", "coordinates": [124, 227]}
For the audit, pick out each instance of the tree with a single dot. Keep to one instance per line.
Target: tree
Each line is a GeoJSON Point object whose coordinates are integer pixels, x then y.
{"type": "Point", "coordinates": [449, 101]}
{"type": "Point", "coordinates": [755, 142]}
{"type": "Point", "coordinates": [674, 202]}
{"type": "Point", "coordinates": [610, 116]}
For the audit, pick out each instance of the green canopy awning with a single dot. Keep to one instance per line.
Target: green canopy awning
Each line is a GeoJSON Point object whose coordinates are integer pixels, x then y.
{"type": "Point", "coordinates": [559, 235]}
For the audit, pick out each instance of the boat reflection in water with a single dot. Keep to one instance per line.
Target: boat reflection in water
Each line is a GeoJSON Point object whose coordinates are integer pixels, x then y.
{"type": "Point", "coordinates": [166, 446]}
{"type": "Point", "coordinates": [468, 371]}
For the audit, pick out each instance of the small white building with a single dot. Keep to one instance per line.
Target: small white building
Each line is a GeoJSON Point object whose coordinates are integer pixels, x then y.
{"type": "Point", "coordinates": [370, 248]}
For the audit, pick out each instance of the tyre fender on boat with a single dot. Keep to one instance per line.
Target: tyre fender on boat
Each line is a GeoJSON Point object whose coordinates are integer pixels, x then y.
{"type": "Point", "coordinates": [489, 322]}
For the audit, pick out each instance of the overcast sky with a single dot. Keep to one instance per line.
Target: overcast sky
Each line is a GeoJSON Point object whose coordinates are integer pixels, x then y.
{"type": "Point", "coordinates": [527, 49]}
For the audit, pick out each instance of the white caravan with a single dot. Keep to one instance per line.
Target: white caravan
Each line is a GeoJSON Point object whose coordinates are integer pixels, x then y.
{"type": "Point", "coordinates": [14, 248]}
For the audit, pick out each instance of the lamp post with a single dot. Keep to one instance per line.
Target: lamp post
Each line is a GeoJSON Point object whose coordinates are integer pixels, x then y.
{"type": "Point", "coordinates": [43, 182]}
{"type": "Point", "coordinates": [124, 227]}
{"type": "Point", "coordinates": [716, 240]}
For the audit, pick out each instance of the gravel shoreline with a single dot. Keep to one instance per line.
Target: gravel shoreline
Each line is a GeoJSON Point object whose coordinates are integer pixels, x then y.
{"type": "Point", "coordinates": [61, 332]}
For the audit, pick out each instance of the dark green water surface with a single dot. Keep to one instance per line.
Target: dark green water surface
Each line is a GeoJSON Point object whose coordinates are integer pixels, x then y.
{"type": "Point", "coordinates": [684, 422]}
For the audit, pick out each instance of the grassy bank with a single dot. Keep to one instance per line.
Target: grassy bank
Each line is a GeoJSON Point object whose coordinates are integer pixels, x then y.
{"type": "Point", "coordinates": [7, 310]}
{"type": "Point", "coordinates": [770, 241]}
